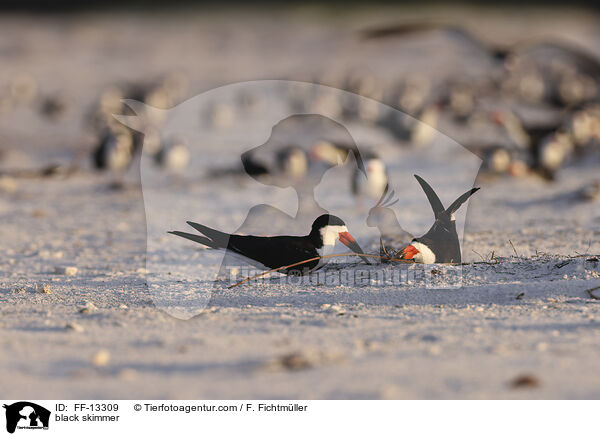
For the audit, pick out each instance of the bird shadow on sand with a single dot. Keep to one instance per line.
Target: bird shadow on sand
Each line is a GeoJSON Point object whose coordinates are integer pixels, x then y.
{"type": "Point", "coordinates": [310, 298]}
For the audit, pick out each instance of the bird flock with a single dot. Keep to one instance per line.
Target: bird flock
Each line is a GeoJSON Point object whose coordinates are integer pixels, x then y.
{"type": "Point", "coordinates": [536, 110]}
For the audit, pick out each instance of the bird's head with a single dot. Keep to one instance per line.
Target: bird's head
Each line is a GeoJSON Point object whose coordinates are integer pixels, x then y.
{"type": "Point", "coordinates": [328, 229]}
{"type": "Point", "coordinates": [418, 252]}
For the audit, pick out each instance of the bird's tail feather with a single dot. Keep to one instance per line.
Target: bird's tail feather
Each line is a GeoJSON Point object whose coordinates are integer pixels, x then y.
{"type": "Point", "coordinates": [436, 204]}
{"type": "Point", "coordinates": [460, 200]}
{"type": "Point", "coordinates": [219, 238]}
{"type": "Point", "coordinates": [434, 200]}
{"type": "Point", "coordinates": [197, 238]}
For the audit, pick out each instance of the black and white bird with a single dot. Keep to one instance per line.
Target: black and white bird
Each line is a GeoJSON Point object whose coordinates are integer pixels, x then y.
{"type": "Point", "coordinates": [547, 144]}
{"type": "Point", "coordinates": [369, 177]}
{"type": "Point", "coordinates": [278, 251]}
{"type": "Point", "coordinates": [115, 149]}
{"type": "Point", "coordinates": [173, 155]}
{"type": "Point", "coordinates": [332, 153]}
{"type": "Point", "coordinates": [289, 163]}
{"type": "Point", "coordinates": [440, 244]}
{"type": "Point", "coordinates": [376, 182]}
{"type": "Point", "coordinates": [292, 162]}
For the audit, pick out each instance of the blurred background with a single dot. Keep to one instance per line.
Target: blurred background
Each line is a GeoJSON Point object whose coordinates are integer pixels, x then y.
{"type": "Point", "coordinates": [516, 84]}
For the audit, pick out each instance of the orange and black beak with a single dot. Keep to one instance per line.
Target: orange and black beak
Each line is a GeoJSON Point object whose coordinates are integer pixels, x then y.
{"type": "Point", "coordinates": [347, 239]}
{"type": "Point", "coordinates": [409, 253]}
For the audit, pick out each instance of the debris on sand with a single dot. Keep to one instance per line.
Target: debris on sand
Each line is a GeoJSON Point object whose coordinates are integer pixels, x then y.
{"type": "Point", "coordinates": [39, 213]}
{"type": "Point", "coordinates": [295, 362]}
{"type": "Point", "coordinates": [590, 192]}
{"type": "Point", "coordinates": [525, 381]}
{"type": "Point", "coordinates": [332, 308]}
{"type": "Point", "coordinates": [44, 289]}
{"type": "Point", "coordinates": [101, 358]}
{"type": "Point", "coordinates": [88, 308]}
{"type": "Point", "coordinates": [65, 270]}
{"type": "Point", "coordinates": [74, 327]}
{"type": "Point", "coordinates": [302, 360]}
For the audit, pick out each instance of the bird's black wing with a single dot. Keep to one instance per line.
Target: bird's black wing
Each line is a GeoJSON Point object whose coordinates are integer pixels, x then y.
{"type": "Point", "coordinates": [434, 200]}
{"type": "Point", "coordinates": [272, 252]}
{"type": "Point", "coordinates": [275, 251]}
{"type": "Point", "coordinates": [459, 201]}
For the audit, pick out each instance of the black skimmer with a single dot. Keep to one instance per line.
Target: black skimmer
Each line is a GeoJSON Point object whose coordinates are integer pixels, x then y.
{"type": "Point", "coordinates": [590, 191]}
{"type": "Point", "coordinates": [552, 72]}
{"type": "Point", "coordinates": [115, 149]}
{"type": "Point", "coordinates": [440, 244]}
{"type": "Point", "coordinates": [584, 125]}
{"type": "Point", "coordinates": [292, 162]}
{"type": "Point", "coordinates": [117, 144]}
{"type": "Point", "coordinates": [331, 153]}
{"type": "Point", "coordinates": [376, 182]}
{"type": "Point", "coordinates": [54, 107]}
{"type": "Point", "coordinates": [369, 176]}
{"type": "Point", "coordinates": [278, 251]}
{"type": "Point", "coordinates": [548, 144]}
{"type": "Point", "coordinates": [551, 153]}
{"type": "Point", "coordinates": [415, 128]}
{"type": "Point", "coordinates": [252, 166]}
{"type": "Point", "coordinates": [289, 163]}
{"type": "Point", "coordinates": [174, 155]}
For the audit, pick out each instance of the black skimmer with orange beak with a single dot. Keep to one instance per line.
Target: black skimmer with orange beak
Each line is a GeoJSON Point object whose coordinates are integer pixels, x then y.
{"type": "Point", "coordinates": [278, 251]}
{"type": "Point", "coordinates": [440, 244]}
